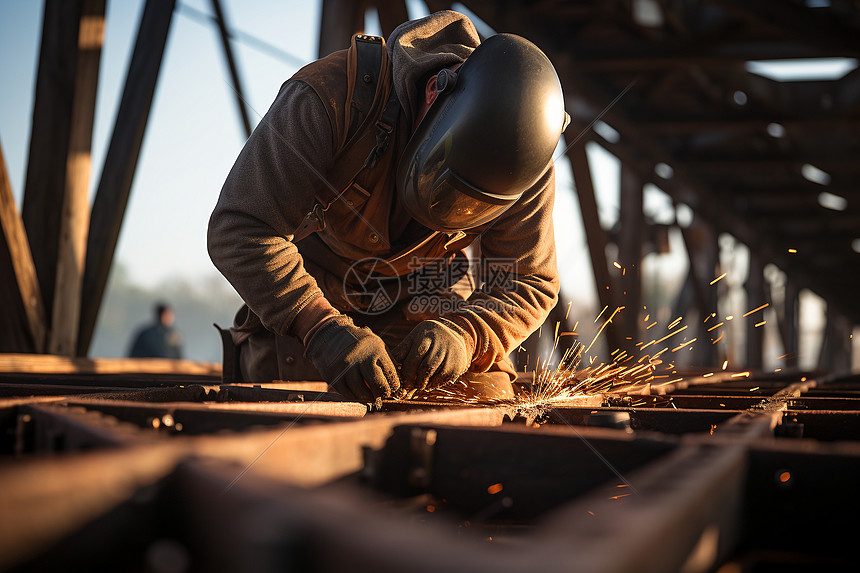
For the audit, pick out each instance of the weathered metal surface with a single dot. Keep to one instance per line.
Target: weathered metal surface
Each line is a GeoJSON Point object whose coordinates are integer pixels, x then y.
{"type": "Point", "coordinates": [801, 496]}
{"type": "Point", "coordinates": [258, 394]}
{"type": "Point", "coordinates": [683, 513]}
{"type": "Point", "coordinates": [44, 500]}
{"type": "Point", "coordinates": [507, 472]}
{"type": "Point", "coordinates": [192, 418]}
{"type": "Point", "coordinates": [547, 496]}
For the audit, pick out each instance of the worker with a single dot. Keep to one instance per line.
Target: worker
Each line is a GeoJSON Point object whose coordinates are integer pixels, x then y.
{"type": "Point", "coordinates": [159, 339]}
{"type": "Point", "coordinates": [358, 274]}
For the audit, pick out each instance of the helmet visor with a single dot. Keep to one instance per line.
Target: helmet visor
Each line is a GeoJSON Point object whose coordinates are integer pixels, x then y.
{"type": "Point", "coordinates": [455, 205]}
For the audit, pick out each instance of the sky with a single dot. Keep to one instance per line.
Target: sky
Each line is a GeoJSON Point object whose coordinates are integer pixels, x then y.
{"type": "Point", "coordinates": [194, 134]}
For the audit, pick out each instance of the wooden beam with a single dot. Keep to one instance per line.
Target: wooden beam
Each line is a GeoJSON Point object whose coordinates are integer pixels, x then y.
{"type": "Point", "coordinates": [824, 30]}
{"type": "Point", "coordinates": [786, 321]}
{"type": "Point", "coordinates": [391, 13]}
{"type": "Point", "coordinates": [755, 298]}
{"type": "Point", "coordinates": [71, 252]}
{"type": "Point", "coordinates": [595, 234]}
{"type": "Point", "coordinates": [698, 125]}
{"type": "Point", "coordinates": [701, 244]}
{"type": "Point", "coordinates": [121, 160]}
{"type": "Point", "coordinates": [221, 22]}
{"type": "Point", "coordinates": [630, 252]}
{"type": "Point", "coordinates": [339, 20]}
{"type": "Point", "coordinates": [49, 140]}
{"type": "Point", "coordinates": [19, 278]}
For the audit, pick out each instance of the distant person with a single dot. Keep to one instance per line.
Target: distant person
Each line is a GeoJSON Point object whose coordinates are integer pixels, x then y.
{"type": "Point", "coordinates": [160, 339]}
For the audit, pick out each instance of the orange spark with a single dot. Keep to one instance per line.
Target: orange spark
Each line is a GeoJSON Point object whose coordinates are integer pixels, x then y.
{"type": "Point", "coordinates": [718, 278]}
{"type": "Point", "coordinates": [765, 305]}
{"type": "Point", "coordinates": [683, 345]}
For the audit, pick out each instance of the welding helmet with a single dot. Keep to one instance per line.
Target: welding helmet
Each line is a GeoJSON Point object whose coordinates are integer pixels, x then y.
{"type": "Point", "coordinates": [487, 137]}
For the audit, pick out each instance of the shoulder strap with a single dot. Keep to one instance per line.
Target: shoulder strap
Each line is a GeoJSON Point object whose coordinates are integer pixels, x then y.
{"type": "Point", "coordinates": [372, 111]}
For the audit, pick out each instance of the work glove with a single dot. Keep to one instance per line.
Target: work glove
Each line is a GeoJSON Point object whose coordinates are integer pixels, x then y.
{"type": "Point", "coordinates": [353, 360]}
{"type": "Point", "coordinates": [432, 355]}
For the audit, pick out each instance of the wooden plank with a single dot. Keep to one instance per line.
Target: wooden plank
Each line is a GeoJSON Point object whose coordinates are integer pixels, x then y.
{"type": "Point", "coordinates": [49, 364]}
{"type": "Point", "coordinates": [49, 140]}
{"type": "Point", "coordinates": [74, 220]}
{"type": "Point", "coordinates": [20, 273]}
{"type": "Point", "coordinates": [121, 160]}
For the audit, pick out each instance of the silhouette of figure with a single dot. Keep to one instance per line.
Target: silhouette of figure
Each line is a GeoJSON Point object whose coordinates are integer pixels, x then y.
{"type": "Point", "coordinates": [159, 339]}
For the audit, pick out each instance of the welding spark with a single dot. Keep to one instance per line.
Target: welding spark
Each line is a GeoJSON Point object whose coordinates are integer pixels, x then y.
{"type": "Point", "coordinates": [718, 278]}
{"type": "Point", "coordinates": [577, 374]}
{"type": "Point", "coordinates": [765, 305]}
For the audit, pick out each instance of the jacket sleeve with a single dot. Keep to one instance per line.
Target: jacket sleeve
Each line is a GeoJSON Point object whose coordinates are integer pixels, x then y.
{"type": "Point", "coordinates": [519, 276]}
{"type": "Point", "coordinates": [264, 198]}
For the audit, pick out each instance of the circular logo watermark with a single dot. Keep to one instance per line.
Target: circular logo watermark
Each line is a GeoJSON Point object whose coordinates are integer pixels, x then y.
{"type": "Point", "coordinates": [371, 286]}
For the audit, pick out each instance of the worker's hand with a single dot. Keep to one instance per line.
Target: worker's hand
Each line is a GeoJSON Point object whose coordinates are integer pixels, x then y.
{"type": "Point", "coordinates": [432, 355]}
{"type": "Point", "coordinates": [354, 361]}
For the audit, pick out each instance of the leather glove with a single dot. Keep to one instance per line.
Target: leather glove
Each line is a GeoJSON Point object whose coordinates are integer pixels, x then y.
{"type": "Point", "coordinates": [353, 360]}
{"type": "Point", "coordinates": [432, 355]}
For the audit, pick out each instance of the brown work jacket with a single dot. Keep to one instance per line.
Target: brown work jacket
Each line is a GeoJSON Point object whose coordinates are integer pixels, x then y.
{"type": "Point", "coordinates": [275, 182]}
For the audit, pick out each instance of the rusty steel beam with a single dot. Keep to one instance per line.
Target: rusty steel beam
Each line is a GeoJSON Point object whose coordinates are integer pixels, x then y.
{"type": "Point", "coordinates": [59, 428]}
{"type": "Point", "coordinates": [686, 508]}
{"type": "Point", "coordinates": [46, 499]}
{"type": "Point", "coordinates": [470, 467]}
{"type": "Point", "coordinates": [189, 418]}
{"type": "Point", "coordinates": [311, 455]}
